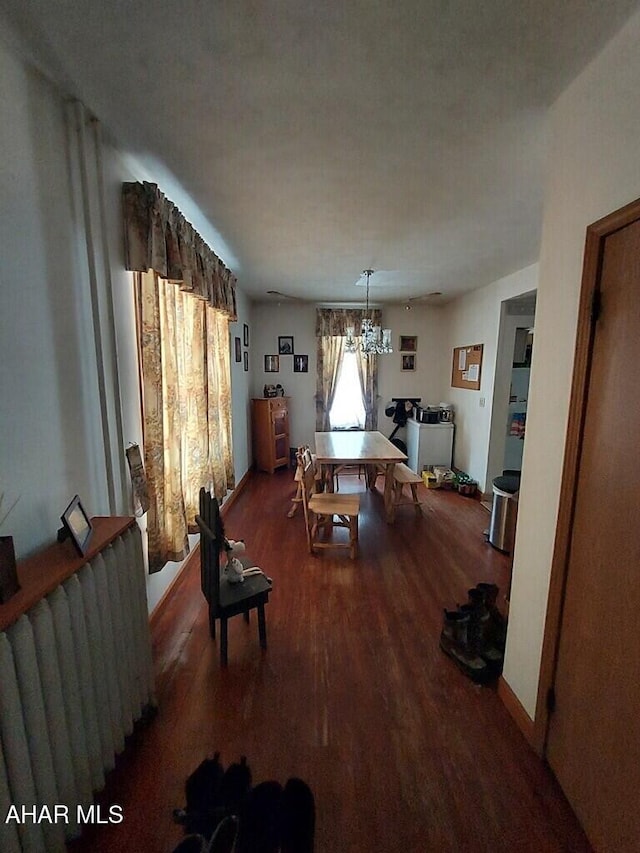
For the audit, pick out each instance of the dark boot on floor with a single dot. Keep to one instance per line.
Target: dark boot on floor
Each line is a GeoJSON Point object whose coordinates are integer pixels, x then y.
{"type": "Point", "coordinates": [298, 818]}
{"type": "Point", "coordinates": [498, 622]}
{"type": "Point", "coordinates": [454, 641]}
{"type": "Point", "coordinates": [480, 639]}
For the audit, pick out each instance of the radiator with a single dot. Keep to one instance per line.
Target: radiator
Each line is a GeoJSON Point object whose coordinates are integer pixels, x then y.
{"type": "Point", "coordinates": [76, 673]}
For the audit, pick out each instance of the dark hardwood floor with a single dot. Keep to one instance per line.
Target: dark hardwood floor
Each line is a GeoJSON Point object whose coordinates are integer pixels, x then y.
{"type": "Point", "coordinates": [354, 695]}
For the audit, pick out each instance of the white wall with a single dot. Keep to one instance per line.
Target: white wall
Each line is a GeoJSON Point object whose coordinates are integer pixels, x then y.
{"type": "Point", "coordinates": [269, 321]}
{"type": "Point", "coordinates": [475, 319]}
{"type": "Point", "coordinates": [51, 438]}
{"type": "Point", "coordinates": [594, 169]}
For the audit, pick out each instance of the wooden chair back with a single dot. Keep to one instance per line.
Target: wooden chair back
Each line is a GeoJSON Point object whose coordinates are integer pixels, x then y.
{"type": "Point", "coordinates": [227, 599]}
{"type": "Point", "coordinates": [211, 542]}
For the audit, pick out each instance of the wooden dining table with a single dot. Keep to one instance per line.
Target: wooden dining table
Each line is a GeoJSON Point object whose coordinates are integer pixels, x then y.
{"type": "Point", "coordinates": [360, 447]}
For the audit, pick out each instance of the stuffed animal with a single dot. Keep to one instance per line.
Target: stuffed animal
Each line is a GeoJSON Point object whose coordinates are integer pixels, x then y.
{"type": "Point", "coordinates": [234, 570]}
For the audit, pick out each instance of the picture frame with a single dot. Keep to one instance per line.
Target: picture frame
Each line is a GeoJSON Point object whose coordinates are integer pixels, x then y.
{"type": "Point", "coordinates": [9, 584]}
{"type": "Point", "coordinates": [76, 525]}
{"type": "Point", "coordinates": [285, 345]}
{"type": "Point", "coordinates": [408, 362]}
{"type": "Point", "coordinates": [408, 343]}
{"type": "Point", "coordinates": [238, 346]}
{"type": "Point", "coordinates": [301, 364]}
{"type": "Point", "coordinates": [246, 361]}
{"type": "Point", "coordinates": [245, 335]}
{"type": "Point", "coordinates": [272, 364]}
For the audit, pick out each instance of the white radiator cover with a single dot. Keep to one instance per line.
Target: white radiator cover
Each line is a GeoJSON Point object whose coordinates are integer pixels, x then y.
{"type": "Point", "coordinates": [76, 673]}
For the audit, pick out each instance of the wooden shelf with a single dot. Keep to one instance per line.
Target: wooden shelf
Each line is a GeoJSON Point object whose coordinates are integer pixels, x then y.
{"type": "Point", "coordinates": [41, 573]}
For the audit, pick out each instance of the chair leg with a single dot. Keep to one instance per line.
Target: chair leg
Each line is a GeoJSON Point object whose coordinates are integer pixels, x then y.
{"type": "Point", "coordinates": [223, 641]}
{"type": "Point", "coordinates": [212, 624]}
{"type": "Point", "coordinates": [416, 502]}
{"type": "Point", "coordinates": [262, 627]}
{"type": "Point", "coordinates": [353, 536]}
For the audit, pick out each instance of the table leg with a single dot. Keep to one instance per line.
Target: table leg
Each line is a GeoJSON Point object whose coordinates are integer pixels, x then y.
{"type": "Point", "coordinates": [388, 491]}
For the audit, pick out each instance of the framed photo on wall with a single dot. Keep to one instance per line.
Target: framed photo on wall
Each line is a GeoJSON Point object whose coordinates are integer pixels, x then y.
{"type": "Point", "coordinates": [245, 334]}
{"type": "Point", "coordinates": [408, 362]}
{"type": "Point", "coordinates": [246, 361]}
{"type": "Point", "coordinates": [301, 364]}
{"type": "Point", "coordinates": [408, 343]}
{"type": "Point", "coordinates": [238, 346]}
{"type": "Point", "coordinates": [285, 345]}
{"type": "Point", "coordinates": [271, 364]}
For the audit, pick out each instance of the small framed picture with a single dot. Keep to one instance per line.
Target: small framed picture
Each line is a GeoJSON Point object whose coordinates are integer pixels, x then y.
{"type": "Point", "coordinates": [408, 343]}
{"type": "Point", "coordinates": [408, 362]}
{"type": "Point", "coordinates": [238, 350]}
{"type": "Point", "coordinates": [285, 345]}
{"type": "Point", "coordinates": [245, 334]}
{"type": "Point", "coordinates": [301, 364]}
{"type": "Point", "coordinates": [246, 361]}
{"type": "Point", "coordinates": [77, 526]}
{"type": "Point", "coordinates": [271, 363]}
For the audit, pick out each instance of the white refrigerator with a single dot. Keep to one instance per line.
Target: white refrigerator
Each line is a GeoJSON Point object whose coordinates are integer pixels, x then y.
{"type": "Point", "coordinates": [429, 444]}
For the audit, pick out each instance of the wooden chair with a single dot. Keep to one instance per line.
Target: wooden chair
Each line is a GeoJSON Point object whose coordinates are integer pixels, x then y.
{"type": "Point", "coordinates": [304, 453]}
{"type": "Point", "coordinates": [325, 510]}
{"type": "Point", "coordinates": [227, 599]}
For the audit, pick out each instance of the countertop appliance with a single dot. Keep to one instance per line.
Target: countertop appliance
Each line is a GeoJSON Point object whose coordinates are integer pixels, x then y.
{"type": "Point", "coordinates": [429, 444]}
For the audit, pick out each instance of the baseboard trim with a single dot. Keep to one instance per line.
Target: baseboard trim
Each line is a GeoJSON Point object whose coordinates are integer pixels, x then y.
{"type": "Point", "coordinates": [236, 492]}
{"type": "Point", "coordinates": [517, 712]}
{"type": "Point", "coordinates": [194, 555]}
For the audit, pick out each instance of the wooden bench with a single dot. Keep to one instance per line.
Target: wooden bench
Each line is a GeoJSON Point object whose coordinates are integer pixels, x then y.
{"type": "Point", "coordinates": [403, 476]}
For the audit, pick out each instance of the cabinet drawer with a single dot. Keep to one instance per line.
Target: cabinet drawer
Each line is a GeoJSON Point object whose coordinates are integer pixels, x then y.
{"type": "Point", "coordinates": [278, 404]}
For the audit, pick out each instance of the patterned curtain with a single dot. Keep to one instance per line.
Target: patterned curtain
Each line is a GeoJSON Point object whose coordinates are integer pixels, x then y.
{"type": "Point", "coordinates": [186, 399]}
{"type": "Point", "coordinates": [330, 351]}
{"type": "Point", "coordinates": [157, 237]}
{"type": "Point", "coordinates": [331, 330]}
{"type": "Point", "coordinates": [368, 373]}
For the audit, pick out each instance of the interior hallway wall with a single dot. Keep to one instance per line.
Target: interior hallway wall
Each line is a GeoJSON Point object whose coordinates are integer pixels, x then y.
{"type": "Point", "coordinates": [475, 319]}
{"type": "Point", "coordinates": [593, 170]}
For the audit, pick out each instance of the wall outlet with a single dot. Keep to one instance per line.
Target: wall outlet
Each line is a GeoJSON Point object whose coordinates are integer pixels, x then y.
{"type": "Point", "coordinates": [483, 402]}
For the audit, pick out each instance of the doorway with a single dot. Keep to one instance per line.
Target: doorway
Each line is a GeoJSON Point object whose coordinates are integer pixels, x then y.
{"type": "Point", "coordinates": [511, 386]}
{"type": "Point", "coordinates": [587, 715]}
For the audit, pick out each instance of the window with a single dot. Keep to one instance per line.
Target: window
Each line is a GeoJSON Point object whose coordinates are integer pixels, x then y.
{"type": "Point", "coordinates": [347, 410]}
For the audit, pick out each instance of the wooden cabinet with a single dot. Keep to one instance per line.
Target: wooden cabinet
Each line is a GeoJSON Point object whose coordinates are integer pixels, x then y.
{"type": "Point", "coordinates": [270, 427]}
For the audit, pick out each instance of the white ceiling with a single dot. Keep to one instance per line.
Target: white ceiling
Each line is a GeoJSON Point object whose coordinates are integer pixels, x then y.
{"type": "Point", "coordinates": [323, 138]}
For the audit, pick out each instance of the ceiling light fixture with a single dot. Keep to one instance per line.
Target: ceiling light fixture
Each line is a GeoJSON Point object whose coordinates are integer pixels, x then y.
{"type": "Point", "coordinates": [373, 339]}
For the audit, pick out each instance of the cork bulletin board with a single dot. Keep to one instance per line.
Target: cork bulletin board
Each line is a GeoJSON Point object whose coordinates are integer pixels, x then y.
{"type": "Point", "coordinates": [466, 369]}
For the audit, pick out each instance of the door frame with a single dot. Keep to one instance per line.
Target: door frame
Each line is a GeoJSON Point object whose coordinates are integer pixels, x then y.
{"type": "Point", "coordinates": [592, 267]}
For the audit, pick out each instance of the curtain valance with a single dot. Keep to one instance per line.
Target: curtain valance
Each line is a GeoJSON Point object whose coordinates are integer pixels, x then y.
{"type": "Point", "coordinates": [334, 321]}
{"type": "Point", "coordinates": [158, 237]}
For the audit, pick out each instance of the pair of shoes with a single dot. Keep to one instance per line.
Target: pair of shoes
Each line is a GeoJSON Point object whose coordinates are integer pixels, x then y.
{"type": "Point", "coordinates": [212, 794]}
{"type": "Point", "coordinates": [473, 635]}
{"type": "Point", "coordinates": [456, 642]}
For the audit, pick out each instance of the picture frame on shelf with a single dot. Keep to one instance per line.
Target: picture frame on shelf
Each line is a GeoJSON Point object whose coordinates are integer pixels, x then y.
{"type": "Point", "coordinates": [301, 364]}
{"type": "Point", "coordinates": [408, 343]}
{"type": "Point", "coordinates": [76, 525]}
{"type": "Point", "coordinates": [272, 364]}
{"type": "Point", "coordinates": [9, 584]}
{"type": "Point", "coordinates": [408, 362]}
{"type": "Point", "coordinates": [285, 345]}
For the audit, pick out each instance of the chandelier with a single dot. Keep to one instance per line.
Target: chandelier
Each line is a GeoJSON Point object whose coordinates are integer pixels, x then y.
{"type": "Point", "coordinates": [373, 339]}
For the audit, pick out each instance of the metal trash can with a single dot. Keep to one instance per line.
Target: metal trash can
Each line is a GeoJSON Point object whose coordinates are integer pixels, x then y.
{"type": "Point", "coordinates": [504, 512]}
